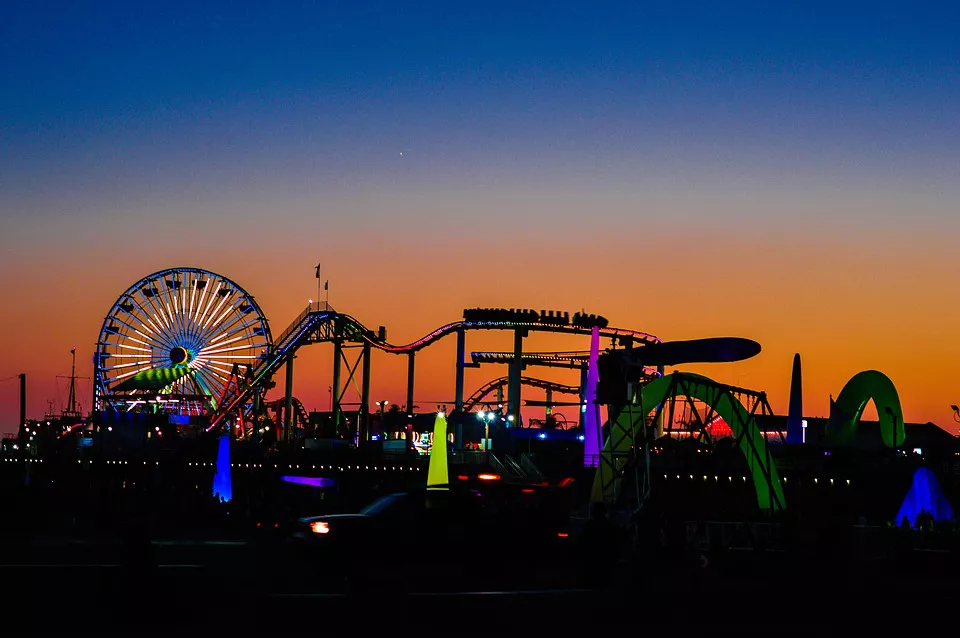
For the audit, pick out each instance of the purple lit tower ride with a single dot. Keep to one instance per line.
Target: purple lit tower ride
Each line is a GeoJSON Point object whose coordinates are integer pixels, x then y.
{"type": "Point", "coordinates": [591, 420]}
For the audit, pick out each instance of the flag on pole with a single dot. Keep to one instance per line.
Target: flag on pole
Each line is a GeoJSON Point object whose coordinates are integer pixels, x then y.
{"type": "Point", "coordinates": [318, 271]}
{"type": "Point", "coordinates": [326, 285]}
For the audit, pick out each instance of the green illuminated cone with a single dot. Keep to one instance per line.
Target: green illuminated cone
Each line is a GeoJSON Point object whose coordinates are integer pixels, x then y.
{"type": "Point", "coordinates": [437, 474]}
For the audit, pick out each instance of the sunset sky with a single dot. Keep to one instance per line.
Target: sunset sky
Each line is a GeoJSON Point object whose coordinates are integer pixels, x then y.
{"type": "Point", "coordinates": [790, 174]}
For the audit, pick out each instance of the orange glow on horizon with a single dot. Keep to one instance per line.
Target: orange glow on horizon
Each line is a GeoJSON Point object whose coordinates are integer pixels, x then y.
{"type": "Point", "coordinates": [844, 308]}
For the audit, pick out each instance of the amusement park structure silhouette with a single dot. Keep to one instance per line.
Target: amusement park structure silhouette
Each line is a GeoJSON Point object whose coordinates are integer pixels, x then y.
{"type": "Point", "coordinates": [193, 342]}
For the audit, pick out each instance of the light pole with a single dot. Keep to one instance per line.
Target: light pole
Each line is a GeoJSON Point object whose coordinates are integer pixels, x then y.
{"type": "Point", "coordinates": [382, 405]}
{"type": "Point", "coordinates": [487, 418]}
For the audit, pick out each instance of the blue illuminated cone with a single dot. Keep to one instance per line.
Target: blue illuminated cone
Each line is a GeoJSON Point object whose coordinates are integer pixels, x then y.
{"type": "Point", "coordinates": [222, 485]}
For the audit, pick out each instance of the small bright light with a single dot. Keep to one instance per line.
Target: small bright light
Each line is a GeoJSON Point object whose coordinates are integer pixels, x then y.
{"type": "Point", "coordinates": [580, 438]}
{"type": "Point", "coordinates": [267, 428]}
{"type": "Point", "coordinates": [481, 415]}
{"type": "Point", "coordinates": [542, 435]}
{"type": "Point", "coordinates": [386, 403]}
{"type": "Point", "coordinates": [440, 413]}
{"type": "Point", "coordinates": [109, 428]}
{"type": "Point", "coordinates": [488, 477]}
{"type": "Point", "coordinates": [510, 417]}
{"type": "Point", "coordinates": [320, 527]}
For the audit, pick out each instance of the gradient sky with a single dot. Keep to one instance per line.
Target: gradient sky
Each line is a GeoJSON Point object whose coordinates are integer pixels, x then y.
{"type": "Point", "coordinates": [788, 173]}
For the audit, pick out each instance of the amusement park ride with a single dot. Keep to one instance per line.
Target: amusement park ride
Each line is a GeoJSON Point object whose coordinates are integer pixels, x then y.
{"type": "Point", "coordinates": [192, 342]}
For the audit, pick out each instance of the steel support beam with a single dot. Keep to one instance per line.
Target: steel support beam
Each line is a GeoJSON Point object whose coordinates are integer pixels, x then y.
{"type": "Point", "coordinates": [288, 400]}
{"type": "Point", "coordinates": [458, 407]}
{"type": "Point", "coordinates": [364, 434]}
{"type": "Point", "coordinates": [408, 431]}
{"type": "Point", "coordinates": [335, 390]}
{"type": "Point", "coordinates": [23, 402]}
{"type": "Point", "coordinates": [583, 396]}
{"type": "Point", "coordinates": [513, 382]}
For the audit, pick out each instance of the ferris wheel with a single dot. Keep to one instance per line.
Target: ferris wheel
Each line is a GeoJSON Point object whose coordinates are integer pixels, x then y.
{"type": "Point", "coordinates": [174, 341]}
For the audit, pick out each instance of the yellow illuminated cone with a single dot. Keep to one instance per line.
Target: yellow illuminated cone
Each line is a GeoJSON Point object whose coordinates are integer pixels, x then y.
{"type": "Point", "coordinates": [437, 474]}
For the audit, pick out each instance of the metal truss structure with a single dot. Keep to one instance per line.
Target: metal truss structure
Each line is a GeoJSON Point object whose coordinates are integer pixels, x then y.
{"type": "Point", "coordinates": [634, 426]}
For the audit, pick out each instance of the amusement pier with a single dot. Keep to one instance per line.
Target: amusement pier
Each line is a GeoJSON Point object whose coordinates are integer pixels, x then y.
{"type": "Point", "coordinates": [197, 452]}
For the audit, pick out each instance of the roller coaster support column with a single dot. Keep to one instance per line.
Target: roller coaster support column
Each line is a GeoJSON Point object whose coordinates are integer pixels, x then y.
{"type": "Point", "coordinates": [23, 402]}
{"type": "Point", "coordinates": [458, 408]}
{"type": "Point", "coordinates": [513, 381]}
{"type": "Point", "coordinates": [410, 369]}
{"type": "Point", "coordinates": [335, 390]}
{"type": "Point", "coordinates": [288, 403]}
{"type": "Point", "coordinates": [583, 395]}
{"type": "Point", "coordinates": [364, 434]}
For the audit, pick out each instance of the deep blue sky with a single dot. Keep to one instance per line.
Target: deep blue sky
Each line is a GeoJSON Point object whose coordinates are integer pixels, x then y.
{"type": "Point", "coordinates": [97, 89]}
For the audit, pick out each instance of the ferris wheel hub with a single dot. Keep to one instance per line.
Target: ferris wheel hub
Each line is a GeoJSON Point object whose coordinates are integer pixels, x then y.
{"type": "Point", "coordinates": [179, 355]}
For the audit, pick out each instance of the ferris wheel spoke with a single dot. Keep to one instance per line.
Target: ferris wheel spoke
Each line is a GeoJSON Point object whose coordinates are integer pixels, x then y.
{"type": "Point", "coordinates": [153, 314]}
{"type": "Point", "coordinates": [223, 323]}
{"type": "Point", "coordinates": [222, 339]}
{"type": "Point", "coordinates": [219, 351]}
{"type": "Point", "coordinates": [186, 313]}
{"type": "Point", "coordinates": [156, 341]}
{"type": "Point", "coordinates": [200, 302]}
{"type": "Point", "coordinates": [179, 303]}
{"type": "Point", "coordinates": [210, 325]}
{"type": "Point", "coordinates": [152, 306]}
{"type": "Point", "coordinates": [222, 366]}
{"type": "Point", "coordinates": [204, 387]}
{"type": "Point", "coordinates": [211, 301]}
{"type": "Point", "coordinates": [193, 294]}
{"type": "Point", "coordinates": [168, 286]}
{"type": "Point", "coordinates": [164, 303]}
{"type": "Point", "coordinates": [213, 383]}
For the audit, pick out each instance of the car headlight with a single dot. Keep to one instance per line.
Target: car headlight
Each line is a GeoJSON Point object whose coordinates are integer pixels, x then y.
{"type": "Point", "coordinates": [320, 527]}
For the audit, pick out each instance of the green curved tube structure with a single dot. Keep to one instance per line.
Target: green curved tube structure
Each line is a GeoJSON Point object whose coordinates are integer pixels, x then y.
{"type": "Point", "coordinates": [846, 411]}
{"type": "Point", "coordinates": [766, 481]}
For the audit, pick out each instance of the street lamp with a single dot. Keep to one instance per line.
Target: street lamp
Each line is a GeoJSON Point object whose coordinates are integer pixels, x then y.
{"type": "Point", "coordinates": [487, 418]}
{"type": "Point", "coordinates": [382, 405]}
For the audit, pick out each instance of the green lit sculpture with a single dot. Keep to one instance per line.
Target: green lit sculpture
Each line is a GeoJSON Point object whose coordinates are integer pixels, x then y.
{"type": "Point", "coordinates": [846, 411]}
{"type": "Point", "coordinates": [766, 481]}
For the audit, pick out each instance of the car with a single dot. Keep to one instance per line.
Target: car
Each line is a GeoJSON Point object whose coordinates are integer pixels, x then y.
{"type": "Point", "coordinates": [463, 536]}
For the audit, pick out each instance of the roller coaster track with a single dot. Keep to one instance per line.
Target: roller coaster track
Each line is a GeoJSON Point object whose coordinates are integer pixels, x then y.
{"type": "Point", "coordinates": [572, 359]}
{"type": "Point", "coordinates": [320, 322]}
{"type": "Point", "coordinates": [490, 386]}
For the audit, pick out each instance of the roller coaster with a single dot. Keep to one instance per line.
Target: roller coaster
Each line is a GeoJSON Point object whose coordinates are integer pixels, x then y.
{"type": "Point", "coordinates": [319, 322]}
{"type": "Point", "coordinates": [192, 339]}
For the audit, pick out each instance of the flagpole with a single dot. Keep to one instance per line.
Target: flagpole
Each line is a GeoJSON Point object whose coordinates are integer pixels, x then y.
{"type": "Point", "coordinates": [319, 281]}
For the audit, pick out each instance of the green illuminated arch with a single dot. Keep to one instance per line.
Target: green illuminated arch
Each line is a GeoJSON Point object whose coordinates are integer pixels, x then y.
{"type": "Point", "coordinates": [846, 411]}
{"type": "Point", "coordinates": [766, 481]}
